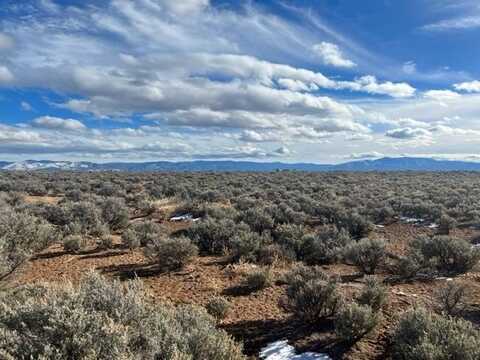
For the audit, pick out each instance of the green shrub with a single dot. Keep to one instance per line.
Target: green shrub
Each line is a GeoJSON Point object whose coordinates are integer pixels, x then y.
{"type": "Point", "coordinates": [259, 280]}
{"type": "Point", "coordinates": [270, 254]}
{"type": "Point", "coordinates": [105, 320]}
{"type": "Point", "coordinates": [451, 298]}
{"type": "Point", "coordinates": [446, 224]}
{"type": "Point", "coordinates": [407, 267]}
{"type": "Point", "coordinates": [245, 246]}
{"type": "Point", "coordinates": [311, 296]}
{"type": "Point", "coordinates": [148, 231]}
{"type": "Point", "coordinates": [257, 218]}
{"type": "Point", "coordinates": [367, 254]}
{"type": "Point", "coordinates": [301, 274]}
{"type": "Point", "coordinates": [171, 253]}
{"type": "Point", "coordinates": [218, 307]}
{"type": "Point", "coordinates": [21, 235]}
{"type": "Point", "coordinates": [100, 230]}
{"type": "Point", "coordinates": [130, 239]}
{"type": "Point", "coordinates": [215, 236]}
{"type": "Point", "coordinates": [290, 237]}
{"type": "Point", "coordinates": [422, 335]}
{"type": "Point", "coordinates": [354, 321]}
{"type": "Point", "coordinates": [446, 254]}
{"type": "Point", "coordinates": [324, 247]}
{"type": "Point", "coordinates": [74, 243]}
{"type": "Point", "coordinates": [374, 294]}
{"type": "Point", "coordinates": [357, 226]}
{"type": "Point", "coordinates": [115, 213]}
{"type": "Point", "coordinates": [85, 214]}
{"type": "Point", "coordinates": [105, 242]}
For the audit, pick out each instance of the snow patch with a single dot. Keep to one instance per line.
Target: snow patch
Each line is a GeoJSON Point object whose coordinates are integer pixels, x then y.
{"type": "Point", "coordinates": [41, 165]}
{"type": "Point", "coordinates": [184, 217]}
{"type": "Point", "coordinates": [411, 220]}
{"type": "Point", "coordinates": [280, 350]}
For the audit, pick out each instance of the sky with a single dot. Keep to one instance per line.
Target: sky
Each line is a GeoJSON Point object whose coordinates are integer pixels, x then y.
{"type": "Point", "coordinates": [322, 81]}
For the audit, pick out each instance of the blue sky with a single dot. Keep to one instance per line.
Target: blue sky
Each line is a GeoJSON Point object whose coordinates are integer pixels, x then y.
{"type": "Point", "coordinates": [322, 81]}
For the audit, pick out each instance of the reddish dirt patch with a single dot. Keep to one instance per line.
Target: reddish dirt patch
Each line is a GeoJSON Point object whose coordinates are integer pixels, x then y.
{"type": "Point", "coordinates": [29, 199]}
{"type": "Point", "coordinates": [255, 318]}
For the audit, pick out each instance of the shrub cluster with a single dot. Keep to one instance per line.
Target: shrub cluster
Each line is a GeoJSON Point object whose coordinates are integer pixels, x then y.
{"type": "Point", "coordinates": [171, 253]}
{"type": "Point", "coordinates": [258, 280]}
{"type": "Point", "coordinates": [21, 235]}
{"type": "Point", "coordinates": [367, 254]}
{"type": "Point", "coordinates": [439, 254]}
{"type": "Point", "coordinates": [104, 320]}
{"type": "Point", "coordinates": [311, 295]}
{"type": "Point", "coordinates": [422, 335]}
{"type": "Point", "coordinates": [218, 307]}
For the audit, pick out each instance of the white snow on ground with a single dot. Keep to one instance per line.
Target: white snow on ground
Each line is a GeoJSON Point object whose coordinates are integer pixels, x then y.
{"type": "Point", "coordinates": [280, 350]}
{"type": "Point", "coordinates": [410, 220]}
{"type": "Point", "coordinates": [182, 217]}
{"type": "Point", "coordinates": [185, 217]}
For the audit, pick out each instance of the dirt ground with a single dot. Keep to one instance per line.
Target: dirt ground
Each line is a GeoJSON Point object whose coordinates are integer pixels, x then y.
{"type": "Point", "coordinates": [255, 318]}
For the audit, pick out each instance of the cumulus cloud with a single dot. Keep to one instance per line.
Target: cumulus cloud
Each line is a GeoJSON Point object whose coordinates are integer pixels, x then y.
{"type": "Point", "coordinates": [282, 151]}
{"type": "Point", "coordinates": [471, 87]}
{"type": "Point", "coordinates": [330, 54]}
{"type": "Point", "coordinates": [408, 133]}
{"type": "Point", "coordinates": [371, 85]}
{"type": "Point", "coordinates": [359, 137]}
{"type": "Point", "coordinates": [441, 95]}
{"type": "Point", "coordinates": [209, 77]}
{"type": "Point", "coordinates": [10, 134]}
{"type": "Point", "coordinates": [365, 155]}
{"type": "Point", "coordinates": [50, 122]}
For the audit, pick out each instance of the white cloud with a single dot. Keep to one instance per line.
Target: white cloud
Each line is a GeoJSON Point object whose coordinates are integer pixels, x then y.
{"type": "Point", "coordinates": [282, 151]}
{"type": "Point", "coordinates": [56, 123]}
{"type": "Point", "coordinates": [359, 137]}
{"type": "Point", "coordinates": [330, 54]}
{"type": "Point", "coordinates": [50, 6]}
{"type": "Point", "coordinates": [408, 133]}
{"type": "Point", "coordinates": [6, 76]}
{"type": "Point", "coordinates": [26, 106]}
{"type": "Point", "coordinates": [256, 136]}
{"type": "Point", "coordinates": [409, 67]}
{"type": "Point", "coordinates": [471, 87]}
{"type": "Point", "coordinates": [184, 7]}
{"type": "Point", "coordinates": [450, 131]}
{"type": "Point", "coordinates": [10, 134]}
{"type": "Point", "coordinates": [209, 77]}
{"type": "Point", "coordinates": [366, 155]}
{"type": "Point", "coordinates": [371, 85]}
{"type": "Point", "coordinates": [441, 95]}
{"type": "Point", "coordinates": [460, 23]}
{"type": "Point", "coordinates": [297, 85]}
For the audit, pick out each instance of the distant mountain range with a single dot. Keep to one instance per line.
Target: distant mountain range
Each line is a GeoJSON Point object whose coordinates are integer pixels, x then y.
{"type": "Point", "coordinates": [384, 164]}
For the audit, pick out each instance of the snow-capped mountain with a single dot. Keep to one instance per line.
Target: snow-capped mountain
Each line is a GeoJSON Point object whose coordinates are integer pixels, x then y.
{"type": "Point", "coordinates": [384, 164]}
{"type": "Point", "coordinates": [31, 165]}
